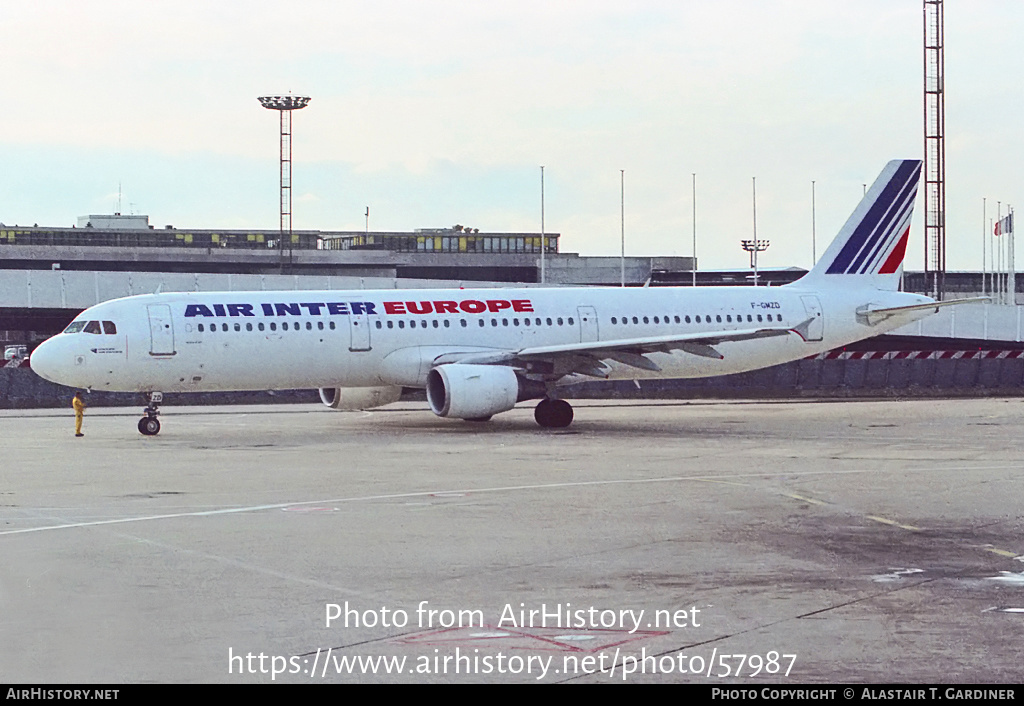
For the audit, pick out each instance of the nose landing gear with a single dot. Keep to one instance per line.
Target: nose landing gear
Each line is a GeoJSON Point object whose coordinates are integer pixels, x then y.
{"type": "Point", "coordinates": [149, 425]}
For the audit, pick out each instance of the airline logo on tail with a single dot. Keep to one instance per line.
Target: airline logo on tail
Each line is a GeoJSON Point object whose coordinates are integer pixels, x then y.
{"type": "Point", "coordinates": [878, 240]}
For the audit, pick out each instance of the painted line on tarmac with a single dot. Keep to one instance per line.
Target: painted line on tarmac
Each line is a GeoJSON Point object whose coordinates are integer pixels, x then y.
{"type": "Point", "coordinates": [496, 489]}
{"type": "Point", "coordinates": [893, 523]}
{"type": "Point", "coordinates": [805, 499]}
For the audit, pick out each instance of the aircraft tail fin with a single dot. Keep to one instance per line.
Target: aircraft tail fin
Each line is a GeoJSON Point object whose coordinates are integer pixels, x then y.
{"type": "Point", "coordinates": [869, 248]}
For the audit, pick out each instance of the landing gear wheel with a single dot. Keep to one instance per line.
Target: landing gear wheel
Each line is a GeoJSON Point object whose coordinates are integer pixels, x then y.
{"type": "Point", "coordinates": [149, 425]}
{"type": "Point", "coordinates": [553, 414]}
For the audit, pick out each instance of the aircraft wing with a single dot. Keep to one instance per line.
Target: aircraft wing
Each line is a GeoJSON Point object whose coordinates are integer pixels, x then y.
{"type": "Point", "coordinates": [586, 358]}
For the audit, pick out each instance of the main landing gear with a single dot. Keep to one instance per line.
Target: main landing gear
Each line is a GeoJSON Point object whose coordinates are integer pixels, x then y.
{"type": "Point", "coordinates": [149, 425]}
{"type": "Point", "coordinates": [553, 414]}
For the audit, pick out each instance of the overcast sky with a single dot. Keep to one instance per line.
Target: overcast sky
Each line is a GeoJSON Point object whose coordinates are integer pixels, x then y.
{"type": "Point", "coordinates": [441, 112]}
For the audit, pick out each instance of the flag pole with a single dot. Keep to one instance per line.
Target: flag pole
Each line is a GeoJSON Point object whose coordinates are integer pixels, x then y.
{"type": "Point", "coordinates": [1011, 277]}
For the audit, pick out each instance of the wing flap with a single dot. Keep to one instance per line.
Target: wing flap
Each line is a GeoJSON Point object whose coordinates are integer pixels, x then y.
{"type": "Point", "coordinates": [689, 342]}
{"type": "Point", "coordinates": [587, 358]}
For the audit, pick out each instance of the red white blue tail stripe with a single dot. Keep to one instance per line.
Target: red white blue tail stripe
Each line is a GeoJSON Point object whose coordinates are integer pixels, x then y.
{"type": "Point", "coordinates": [878, 240]}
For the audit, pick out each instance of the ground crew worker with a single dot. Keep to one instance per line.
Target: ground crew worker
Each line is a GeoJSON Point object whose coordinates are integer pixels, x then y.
{"type": "Point", "coordinates": [79, 404]}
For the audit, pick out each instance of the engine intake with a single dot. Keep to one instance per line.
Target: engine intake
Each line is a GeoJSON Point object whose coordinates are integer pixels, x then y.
{"type": "Point", "coordinates": [352, 398]}
{"type": "Point", "coordinates": [476, 391]}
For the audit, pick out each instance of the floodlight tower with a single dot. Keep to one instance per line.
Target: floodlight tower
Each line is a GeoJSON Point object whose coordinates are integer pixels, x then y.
{"type": "Point", "coordinates": [754, 246]}
{"type": "Point", "coordinates": [285, 105]}
{"type": "Point", "coordinates": [934, 149]}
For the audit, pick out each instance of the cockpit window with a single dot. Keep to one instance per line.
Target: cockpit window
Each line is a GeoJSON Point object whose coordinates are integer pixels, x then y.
{"type": "Point", "coordinates": [75, 327]}
{"type": "Point", "coordinates": [109, 327]}
{"type": "Point", "coordinates": [93, 327]}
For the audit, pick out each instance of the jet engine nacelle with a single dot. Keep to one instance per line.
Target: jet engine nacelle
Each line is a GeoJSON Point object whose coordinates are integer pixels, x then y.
{"type": "Point", "coordinates": [472, 391]}
{"type": "Point", "coordinates": [352, 398]}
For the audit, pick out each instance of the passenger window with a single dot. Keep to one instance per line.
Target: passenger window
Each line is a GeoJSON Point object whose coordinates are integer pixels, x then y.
{"type": "Point", "coordinates": [436, 324]}
{"type": "Point", "coordinates": [464, 324]}
{"type": "Point", "coordinates": [248, 327]}
{"type": "Point", "coordinates": [560, 321]}
{"type": "Point", "coordinates": [273, 325]}
{"type": "Point", "coordinates": [201, 329]}
{"type": "Point", "coordinates": [656, 320]}
{"type": "Point", "coordinates": [261, 326]}
{"type": "Point", "coordinates": [697, 318]}
{"type": "Point", "coordinates": [636, 320]}
{"type": "Point", "coordinates": [718, 318]}
{"type": "Point", "coordinates": [549, 322]}
{"type": "Point", "coordinates": [332, 325]}
{"type": "Point", "coordinates": [284, 326]}
{"type": "Point", "coordinates": [401, 324]}
{"type": "Point", "coordinates": [758, 317]}
{"type": "Point", "coordinates": [109, 328]}
{"type": "Point", "coordinates": [412, 324]}
{"type": "Point", "coordinates": [238, 327]}
{"type": "Point", "coordinates": [320, 325]}
{"type": "Point", "coordinates": [571, 322]}
{"type": "Point", "coordinates": [379, 325]}
{"type": "Point", "coordinates": [677, 319]}
{"type": "Point", "coordinates": [646, 320]}
{"type": "Point", "coordinates": [223, 327]}
{"type": "Point", "coordinates": [92, 327]}
{"type": "Point", "coordinates": [309, 325]}
{"type": "Point", "coordinates": [75, 327]}
{"type": "Point", "coordinates": [447, 323]}
{"type": "Point", "coordinates": [687, 319]}
{"type": "Point", "coordinates": [504, 322]}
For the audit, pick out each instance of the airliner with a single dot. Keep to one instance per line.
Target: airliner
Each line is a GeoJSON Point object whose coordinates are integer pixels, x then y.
{"type": "Point", "coordinates": [479, 352]}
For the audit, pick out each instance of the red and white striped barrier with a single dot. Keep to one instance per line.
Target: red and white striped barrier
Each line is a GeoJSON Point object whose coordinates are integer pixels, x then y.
{"type": "Point", "coordinates": [915, 355]}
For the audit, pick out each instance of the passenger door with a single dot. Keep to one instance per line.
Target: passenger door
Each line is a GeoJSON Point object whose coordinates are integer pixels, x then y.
{"type": "Point", "coordinates": [588, 324]}
{"type": "Point", "coordinates": [359, 324]}
{"type": "Point", "coordinates": [161, 330]}
{"type": "Point", "coordinates": [816, 329]}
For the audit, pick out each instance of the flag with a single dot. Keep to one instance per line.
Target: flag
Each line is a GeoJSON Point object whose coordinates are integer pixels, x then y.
{"type": "Point", "coordinates": [1004, 225]}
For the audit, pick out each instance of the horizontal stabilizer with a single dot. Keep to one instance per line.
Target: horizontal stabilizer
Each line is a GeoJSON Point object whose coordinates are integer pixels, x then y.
{"type": "Point", "coordinates": [875, 316]}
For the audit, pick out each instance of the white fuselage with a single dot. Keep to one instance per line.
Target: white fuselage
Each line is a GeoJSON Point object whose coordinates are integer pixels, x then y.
{"type": "Point", "coordinates": [192, 342]}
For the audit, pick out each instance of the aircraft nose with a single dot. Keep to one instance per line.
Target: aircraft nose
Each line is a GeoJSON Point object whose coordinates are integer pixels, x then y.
{"type": "Point", "coordinates": [45, 360]}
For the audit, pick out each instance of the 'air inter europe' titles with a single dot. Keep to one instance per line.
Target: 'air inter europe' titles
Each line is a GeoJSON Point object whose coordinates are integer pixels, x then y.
{"type": "Point", "coordinates": [467, 306]}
